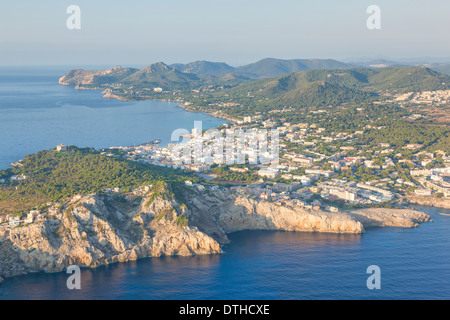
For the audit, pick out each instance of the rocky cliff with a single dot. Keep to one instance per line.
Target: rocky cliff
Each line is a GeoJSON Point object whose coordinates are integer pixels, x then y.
{"type": "Point", "coordinates": [99, 230]}
{"type": "Point", "coordinates": [223, 212]}
{"type": "Point", "coordinates": [430, 201]}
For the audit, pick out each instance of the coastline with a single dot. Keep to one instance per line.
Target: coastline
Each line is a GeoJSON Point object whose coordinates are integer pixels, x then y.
{"type": "Point", "coordinates": [107, 94]}
{"type": "Point", "coordinates": [430, 202]}
{"type": "Point", "coordinates": [91, 232]}
{"type": "Point", "coordinates": [211, 114]}
{"type": "Point", "coordinates": [254, 220]}
{"type": "Point", "coordinates": [291, 265]}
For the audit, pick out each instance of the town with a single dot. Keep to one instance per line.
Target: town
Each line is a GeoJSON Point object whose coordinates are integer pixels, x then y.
{"type": "Point", "coordinates": [291, 159]}
{"type": "Point", "coordinates": [309, 178]}
{"type": "Point", "coordinates": [300, 173]}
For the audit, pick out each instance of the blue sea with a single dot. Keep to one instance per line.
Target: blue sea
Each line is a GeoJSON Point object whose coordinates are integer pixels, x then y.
{"type": "Point", "coordinates": [270, 265]}
{"type": "Point", "coordinates": [36, 113]}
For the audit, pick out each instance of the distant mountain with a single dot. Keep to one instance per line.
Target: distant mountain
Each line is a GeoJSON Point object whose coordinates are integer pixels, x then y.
{"type": "Point", "coordinates": [312, 87]}
{"type": "Point", "coordinates": [262, 69]}
{"type": "Point", "coordinates": [409, 79]}
{"type": "Point", "coordinates": [98, 77]}
{"type": "Point", "coordinates": [161, 75]}
{"type": "Point", "coordinates": [443, 67]}
{"type": "Point", "coordinates": [274, 67]}
{"type": "Point", "coordinates": [439, 67]}
{"type": "Point", "coordinates": [155, 75]}
{"type": "Point", "coordinates": [204, 67]}
{"type": "Point", "coordinates": [190, 74]}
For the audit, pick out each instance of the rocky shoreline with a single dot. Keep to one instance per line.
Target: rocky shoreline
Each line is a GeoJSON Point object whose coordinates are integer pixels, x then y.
{"type": "Point", "coordinates": [100, 230]}
{"type": "Point", "coordinates": [212, 114]}
{"type": "Point", "coordinates": [430, 202]}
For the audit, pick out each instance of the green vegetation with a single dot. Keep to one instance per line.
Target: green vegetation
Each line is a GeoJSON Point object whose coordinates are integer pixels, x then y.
{"type": "Point", "coordinates": [160, 189]}
{"type": "Point", "coordinates": [224, 173]}
{"type": "Point", "coordinates": [318, 89]}
{"type": "Point", "coordinates": [182, 221]}
{"type": "Point", "coordinates": [381, 123]}
{"type": "Point", "coordinates": [55, 176]}
{"type": "Point", "coordinates": [209, 89]}
{"type": "Point", "coordinates": [270, 67]}
{"type": "Point", "coordinates": [340, 101]}
{"type": "Point", "coordinates": [400, 133]}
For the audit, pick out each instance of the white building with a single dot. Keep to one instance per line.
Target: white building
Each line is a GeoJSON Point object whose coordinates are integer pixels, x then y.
{"type": "Point", "coordinates": [269, 173]}
{"type": "Point", "coordinates": [61, 147]}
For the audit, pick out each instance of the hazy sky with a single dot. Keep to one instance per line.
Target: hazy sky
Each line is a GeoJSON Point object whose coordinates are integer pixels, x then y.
{"type": "Point", "coordinates": [137, 32]}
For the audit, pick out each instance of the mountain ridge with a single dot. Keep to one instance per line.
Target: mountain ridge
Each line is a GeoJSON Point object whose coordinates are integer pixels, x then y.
{"type": "Point", "coordinates": [306, 88]}
{"type": "Point", "coordinates": [264, 68]}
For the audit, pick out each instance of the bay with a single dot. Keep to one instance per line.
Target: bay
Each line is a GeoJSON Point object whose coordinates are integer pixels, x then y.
{"type": "Point", "coordinates": [37, 113]}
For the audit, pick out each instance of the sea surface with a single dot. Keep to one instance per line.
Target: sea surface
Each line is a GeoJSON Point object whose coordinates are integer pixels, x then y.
{"type": "Point", "coordinates": [37, 113]}
{"type": "Point", "coordinates": [414, 264]}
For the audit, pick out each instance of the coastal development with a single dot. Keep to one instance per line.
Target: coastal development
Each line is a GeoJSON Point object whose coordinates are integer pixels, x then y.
{"type": "Point", "coordinates": [343, 150]}
{"type": "Point", "coordinates": [309, 174]}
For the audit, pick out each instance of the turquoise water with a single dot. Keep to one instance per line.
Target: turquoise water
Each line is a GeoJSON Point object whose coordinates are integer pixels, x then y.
{"type": "Point", "coordinates": [37, 113]}
{"type": "Point", "coordinates": [414, 263]}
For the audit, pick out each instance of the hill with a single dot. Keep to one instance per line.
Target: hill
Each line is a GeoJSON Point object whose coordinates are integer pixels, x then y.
{"type": "Point", "coordinates": [96, 77]}
{"type": "Point", "coordinates": [161, 75]}
{"type": "Point", "coordinates": [191, 75]}
{"type": "Point", "coordinates": [322, 94]}
{"type": "Point", "coordinates": [264, 68]}
{"type": "Point", "coordinates": [204, 67]}
{"type": "Point", "coordinates": [333, 87]}
{"type": "Point", "coordinates": [307, 88]}
{"type": "Point", "coordinates": [54, 176]}
{"type": "Point", "coordinates": [409, 79]}
{"type": "Point", "coordinates": [270, 67]}
{"type": "Point", "coordinates": [439, 67]}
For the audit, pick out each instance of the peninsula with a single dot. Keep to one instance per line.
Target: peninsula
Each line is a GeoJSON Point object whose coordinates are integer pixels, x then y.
{"type": "Point", "coordinates": [100, 229]}
{"type": "Point", "coordinates": [357, 146]}
{"type": "Point", "coordinates": [80, 216]}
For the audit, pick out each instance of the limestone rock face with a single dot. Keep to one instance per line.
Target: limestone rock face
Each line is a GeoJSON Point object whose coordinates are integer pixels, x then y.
{"type": "Point", "coordinates": [95, 232]}
{"type": "Point", "coordinates": [430, 201]}
{"type": "Point", "coordinates": [384, 217]}
{"type": "Point", "coordinates": [99, 230]}
{"type": "Point", "coordinates": [246, 213]}
{"type": "Point", "coordinates": [225, 212]}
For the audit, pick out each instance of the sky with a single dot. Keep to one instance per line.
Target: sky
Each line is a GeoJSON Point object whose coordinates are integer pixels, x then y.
{"type": "Point", "coordinates": [137, 33]}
